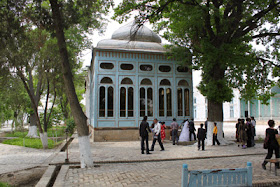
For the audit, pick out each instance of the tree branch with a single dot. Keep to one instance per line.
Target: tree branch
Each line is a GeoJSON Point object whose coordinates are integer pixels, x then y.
{"type": "Point", "coordinates": [208, 22]}
{"type": "Point", "coordinates": [33, 104]}
{"type": "Point", "coordinates": [252, 23]}
{"type": "Point", "coordinates": [262, 35]}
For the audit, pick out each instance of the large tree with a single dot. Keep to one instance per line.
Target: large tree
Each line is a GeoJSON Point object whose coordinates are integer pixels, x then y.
{"type": "Point", "coordinates": [216, 35]}
{"type": "Point", "coordinates": [59, 17]}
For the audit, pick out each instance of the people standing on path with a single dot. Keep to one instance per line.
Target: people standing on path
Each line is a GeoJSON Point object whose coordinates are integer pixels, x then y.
{"type": "Point", "coordinates": [201, 135]}
{"type": "Point", "coordinates": [253, 121]}
{"type": "Point", "coordinates": [237, 130]}
{"type": "Point", "coordinates": [192, 130]}
{"type": "Point", "coordinates": [249, 132]}
{"type": "Point", "coordinates": [206, 127]}
{"type": "Point", "coordinates": [242, 133]}
{"type": "Point", "coordinates": [184, 136]}
{"type": "Point", "coordinates": [215, 135]}
{"type": "Point", "coordinates": [144, 134]}
{"type": "Point", "coordinates": [162, 131]}
{"type": "Point", "coordinates": [157, 135]}
{"type": "Point", "coordinates": [174, 127]}
{"type": "Point", "coordinates": [271, 143]}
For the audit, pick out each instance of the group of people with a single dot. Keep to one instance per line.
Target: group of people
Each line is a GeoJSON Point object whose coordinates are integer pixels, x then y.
{"type": "Point", "coordinates": [246, 132]}
{"type": "Point", "coordinates": [187, 133]}
{"type": "Point", "coordinates": [144, 134]}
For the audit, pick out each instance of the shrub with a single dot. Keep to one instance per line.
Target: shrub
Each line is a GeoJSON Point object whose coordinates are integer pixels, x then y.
{"type": "Point", "coordinates": [70, 125]}
{"type": "Point", "coordinates": [4, 184]}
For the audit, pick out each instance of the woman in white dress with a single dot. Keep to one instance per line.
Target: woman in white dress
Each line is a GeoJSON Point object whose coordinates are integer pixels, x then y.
{"type": "Point", "coordinates": [184, 136]}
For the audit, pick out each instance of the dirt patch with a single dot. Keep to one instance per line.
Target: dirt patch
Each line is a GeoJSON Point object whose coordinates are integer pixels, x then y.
{"type": "Point", "coordinates": [23, 178]}
{"type": "Point", "coordinates": [2, 134]}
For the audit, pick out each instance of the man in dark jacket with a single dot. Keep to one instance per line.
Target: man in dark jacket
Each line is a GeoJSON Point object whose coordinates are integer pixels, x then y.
{"type": "Point", "coordinates": [144, 134]}
{"type": "Point", "coordinates": [192, 129]}
{"type": "Point", "coordinates": [201, 134]}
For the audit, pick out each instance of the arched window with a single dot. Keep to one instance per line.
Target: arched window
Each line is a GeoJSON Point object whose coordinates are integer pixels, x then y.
{"type": "Point", "coordinates": [146, 98]}
{"type": "Point", "coordinates": [183, 83]}
{"type": "Point", "coordinates": [146, 82]}
{"type": "Point", "coordinates": [106, 98]}
{"type": "Point", "coordinates": [165, 98]}
{"type": "Point", "coordinates": [122, 102]}
{"type": "Point", "coordinates": [106, 65]}
{"type": "Point", "coordinates": [106, 80]}
{"type": "Point", "coordinates": [146, 67]}
{"type": "Point", "coordinates": [110, 103]}
{"type": "Point", "coordinates": [102, 101]}
{"type": "Point", "coordinates": [127, 66]}
{"type": "Point", "coordinates": [165, 82]}
{"type": "Point", "coordinates": [126, 81]}
{"type": "Point", "coordinates": [164, 68]}
{"type": "Point", "coordinates": [161, 102]}
{"type": "Point", "coordinates": [142, 102]}
{"type": "Point", "coordinates": [183, 98]}
{"type": "Point", "coordinates": [126, 98]}
{"type": "Point", "coordinates": [182, 69]}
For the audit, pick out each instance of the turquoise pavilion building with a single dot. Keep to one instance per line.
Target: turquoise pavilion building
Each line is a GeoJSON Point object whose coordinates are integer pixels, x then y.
{"type": "Point", "coordinates": [130, 77]}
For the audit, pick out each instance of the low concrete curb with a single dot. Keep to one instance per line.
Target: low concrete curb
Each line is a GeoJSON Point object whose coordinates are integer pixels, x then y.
{"type": "Point", "coordinates": [60, 179]}
{"type": "Point", "coordinates": [158, 160]}
{"type": "Point", "coordinates": [46, 178]}
{"type": "Point", "coordinates": [266, 183]}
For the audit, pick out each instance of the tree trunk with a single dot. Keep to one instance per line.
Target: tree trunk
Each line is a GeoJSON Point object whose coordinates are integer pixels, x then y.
{"type": "Point", "coordinates": [44, 139]}
{"type": "Point", "coordinates": [215, 115]}
{"type": "Point", "coordinates": [46, 106]}
{"type": "Point", "coordinates": [32, 131]}
{"type": "Point", "coordinates": [76, 109]}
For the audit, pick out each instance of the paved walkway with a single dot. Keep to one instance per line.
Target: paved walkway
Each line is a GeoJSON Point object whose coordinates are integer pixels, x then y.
{"type": "Point", "coordinates": [130, 151]}
{"type": "Point", "coordinates": [166, 173]}
{"type": "Point", "coordinates": [14, 158]}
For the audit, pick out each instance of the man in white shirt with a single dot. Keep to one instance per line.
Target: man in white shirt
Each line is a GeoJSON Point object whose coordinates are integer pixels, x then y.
{"type": "Point", "coordinates": [157, 129]}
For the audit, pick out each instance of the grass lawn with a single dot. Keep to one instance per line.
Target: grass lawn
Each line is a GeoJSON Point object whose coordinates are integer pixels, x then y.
{"type": "Point", "coordinates": [3, 184]}
{"type": "Point", "coordinates": [30, 142]}
{"type": "Point", "coordinates": [51, 132]}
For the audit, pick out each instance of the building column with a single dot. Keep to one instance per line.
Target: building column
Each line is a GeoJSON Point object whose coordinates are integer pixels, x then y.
{"type": "Point", "coordinates": [271, 108]}
{"type": "Point", "coordinates": [249, 109]}
{"type": "Point", "coordinates": [259, 102]}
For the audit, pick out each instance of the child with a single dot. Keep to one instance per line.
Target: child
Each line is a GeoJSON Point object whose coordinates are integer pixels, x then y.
{"type": "Point", "coordinates": [215, 132]}
{"type": "Point", "coordinates": [201, 135]}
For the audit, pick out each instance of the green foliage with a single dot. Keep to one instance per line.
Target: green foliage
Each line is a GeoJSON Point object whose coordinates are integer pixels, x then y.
{"type": "Point", "coordinates": [59, 131]}
{"type": "Point", "coordinates": [70, 125]}
{"type": "Point", "coordinates": [218, 35]}
{"type": "Point", "coordinates": [30, 142]}
{"type": "Point", "coordinates": [4, 184]}
{"type": "Point", "coordinates": [17, 134]}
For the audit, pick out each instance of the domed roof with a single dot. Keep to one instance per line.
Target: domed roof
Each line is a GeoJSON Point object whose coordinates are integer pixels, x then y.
{"type": "Point", "coordinates": [131, 37]}
{"type": "Point", "coordinates": [132, 32]}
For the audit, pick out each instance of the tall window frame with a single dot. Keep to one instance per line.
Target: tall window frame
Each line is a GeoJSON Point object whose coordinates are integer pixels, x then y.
{"type": "Point", "coordinates": [106, 98]}
{"type": "Point", "coordinates": [165, 98]}
{"type": "Point", "coordinates": [183, 99]}
{"type": "Point", "coordinates": [146, 98]}
{"type": "Point", "coordinates": [126, 98]}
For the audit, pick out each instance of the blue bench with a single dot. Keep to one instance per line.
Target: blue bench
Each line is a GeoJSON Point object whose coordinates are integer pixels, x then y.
{"type": "Point", "coordinates": [217, 177]}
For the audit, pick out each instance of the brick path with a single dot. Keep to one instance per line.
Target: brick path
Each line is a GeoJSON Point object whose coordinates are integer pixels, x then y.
{"type": "Point", "coordinates": [165, 173]}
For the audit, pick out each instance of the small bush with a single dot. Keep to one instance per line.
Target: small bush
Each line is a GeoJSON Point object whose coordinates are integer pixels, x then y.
{"type": "Point", "coordinates": [4, 184]}
{"type": "Point", "coordinates": [70, 125]}
{"type": "Point", "coordinates": [30, 142]}
{"type": "Point", "coordinates": [17, 134]}
{"type": "Point", "coordinates": [59, 130]}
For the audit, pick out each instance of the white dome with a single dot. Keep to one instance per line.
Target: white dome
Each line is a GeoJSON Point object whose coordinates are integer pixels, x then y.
{"type": "Point", "coordinates": [132, 32]}
{"type": "Point", "coordinates": [127, 38]}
